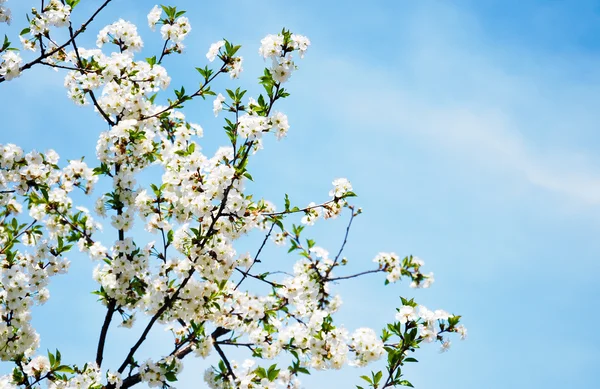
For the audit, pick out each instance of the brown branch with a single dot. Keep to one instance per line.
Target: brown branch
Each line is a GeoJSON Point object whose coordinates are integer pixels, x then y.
{"type": "Point", "coordinates": [17, 236]}
{"type": "Point", "coordinates": [136, 378]}
{"type": "Point", "coordinates": [53, 65]}
{"type": "Point", "coordinates": [81, 70]}
{"type": "Point", "coordinates": [225, 360]}
{"type": "Point", "coordinates": [337, 257]}
{"type": "Point", "coordinates": [247, 272]}
{"type": "Point", "coordinates": [287, 212]}
{"type": "Point", "coordinates": [170, 300]}
{"type": "Point", "coordinates": [180, 101]}
{"type": "Point", "coordinates": [354, 275]}
{"type": "Point", "coordinates": [110, 310]}
{"type": "Point", "coordinates": [211, 231]}
{"type": "Point", "coordinates": [164, 51]}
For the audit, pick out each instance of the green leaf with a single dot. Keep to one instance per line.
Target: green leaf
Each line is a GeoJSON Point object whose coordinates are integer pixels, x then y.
{"type": "Point", "coordinates": [231, 94]}
{"type": "Point", "coordinates": [377, 377]}
{"type": "Point", "coordinates": [151, 60]}
{"type": "Point", "coordinates": [272, 373]}
{"type": "Point", "coordinates": [51, 358]}
{"type": "Point", "coordinates": [72, 3]}
{"type": "Point", "coordinates": [64, 369]}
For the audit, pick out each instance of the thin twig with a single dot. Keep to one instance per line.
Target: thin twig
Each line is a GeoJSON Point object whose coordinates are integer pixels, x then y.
{"type": "Point", "coordinates": [355, 275]}
{"type": "Point", "coordinates": [247, 272]}
{"type": "Point", "coordinates": [81, 70]}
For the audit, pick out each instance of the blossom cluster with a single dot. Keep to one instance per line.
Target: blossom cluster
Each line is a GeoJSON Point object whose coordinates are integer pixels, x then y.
{"type": "Point", "coordinates": [154, 16]}
{"type": "Point", "coordinates": [174, 28]}
{"type": "Point", "coordinates": [252, 126]}
{"type": "Point", "coordinates": [5, 14]}
{"type": "Point", "coordinates": [124, 82]}
{"type": "Point", "coordinates": [155, 374]}
{"type": "Point", "coordinates": [30, 254]}
{"type": "Point", "coordinates": [54, 14]}
{"type": "Point", "coordinates": [367, 346]}
{"type": "Point", "coordinates": [249, 376]}
{"type": "Point", "coordinates": [10, 65]}
{"type": "Point", "coordinates": [409, 266]}
{"type": "Point", "coordinates": [176, 31]}
{"type": "Point", "coordinates": [90, 376]}
{"type": "Point", "coordinates": [233, 63]}
{"type": "Point", "coordinates": [190, 277]}
{"type": "Point", "coordinates": [278, 48]}
{"type": "Point", "coordinates": [430, 324]}
{"type": "Point", "coordinates": [123, 34]}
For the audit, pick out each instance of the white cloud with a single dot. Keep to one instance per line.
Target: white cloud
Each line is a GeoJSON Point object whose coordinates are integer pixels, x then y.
{"type": "Point", "coordinates": [528, 114]}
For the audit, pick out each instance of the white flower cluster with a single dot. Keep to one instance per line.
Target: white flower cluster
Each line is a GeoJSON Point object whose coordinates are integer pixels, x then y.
{"type": "Point", "coordinates": [123, 34]}
{"type": "Point", "coordinates": [90, 377]}
{"type": "Point", "coordinates": [428, 329]}
{"type": "Point", "coordinates": [253, 126]}
{"type": "Point", "coordinates": [155, 374]}
{"type": "Point", "coordinates": [234, 64]}
{"type": "Point", "coordinates": [5, 14]}
{"type": "Point", "coordinates": [128, 268]}
{"type": "Point", "coordinates": [218, 104]}
{"type": "Point", "coordinates": [213, 51]}
{"type": "Point", "coordinates": [203, 348]}
{"type": "Point", "coordinates": [173, 30]}
{"type": "Point", "coordinates": [114, 378]}
{"type": "Point", "coordinates": [321, 345]}
{"type": "Point", "coordinates": [430, 324]}
{"type": "Point", "coordinates": [77, 173]}
{"type": "Point", "coordinates": [177, 31]}
{"type": "Point", "coordinates": [6, 382]}
{"type": "Point", "coordinates": [54, 14]}
{"type": "Point", "coordinates": [331, 209]}
{"type": "Point", "coordinates": [279, 48]}
{"type": "Point", "coordinates": [250, 377]}
{"type": "Point", "coordinates": [10, 66]}
{"type": "Point", "coordinates": [367, 346]}
{"type": "Point", "coordinates": [124, 82]}
{"type": "Point", "coordinates": [409, 267]}
{"type": "Point", "coordinates": [303, 290]}
{"type": "Point", "coordinates": [37, 367]}
{"type": "Point", "coordinates": [154, 16]}
{"type": "Point", "coordinates": [28, 256]}
{"type": "Point", "coordinates": [341, 186]}
{"type": "Point", "coordinates": [198, 210]}
{"type": "Point", "coordinates": [236, 67]}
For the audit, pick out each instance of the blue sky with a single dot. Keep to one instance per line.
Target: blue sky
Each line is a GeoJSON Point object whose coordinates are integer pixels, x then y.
{"type": "Point", "coordinates": [469, 132]}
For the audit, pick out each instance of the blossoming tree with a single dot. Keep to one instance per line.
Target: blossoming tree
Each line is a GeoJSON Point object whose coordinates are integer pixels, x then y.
{"type": "Point", "coordinates": [190, 279]}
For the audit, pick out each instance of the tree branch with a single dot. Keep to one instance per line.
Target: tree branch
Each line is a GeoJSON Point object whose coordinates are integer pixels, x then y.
{"type": "Point", "coordinates": [81, 70]}
{"type": "Point", "coordinates": [110, 310]}
{"type": "Point", "coordinates": [247, 272]}
{"type": "Point", "coordinates": [354, 275]}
